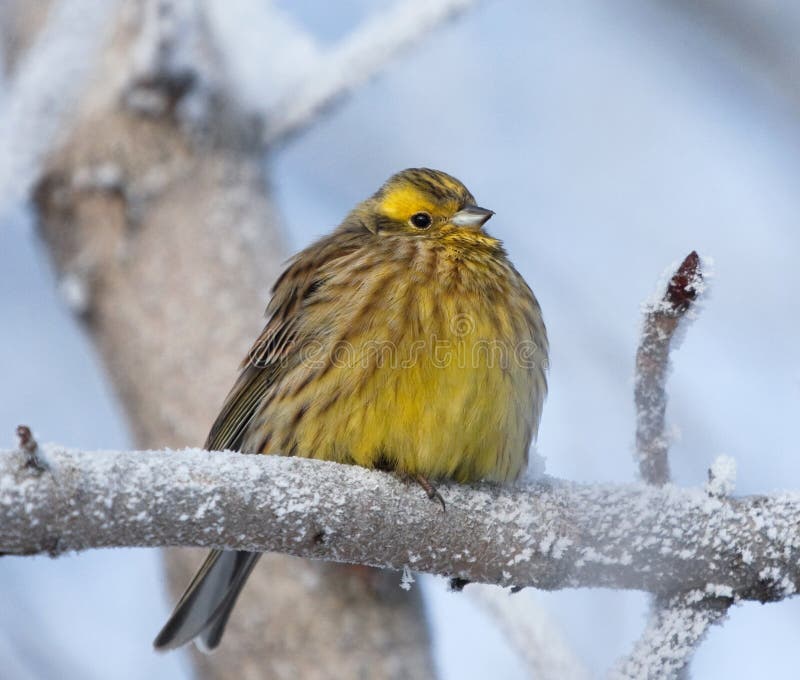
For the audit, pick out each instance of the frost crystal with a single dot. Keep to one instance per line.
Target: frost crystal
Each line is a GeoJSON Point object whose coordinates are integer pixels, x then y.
{"type": "Point", "coordinates": [721, 477]}
{"type": "Point", "coordinates": [406, 579]}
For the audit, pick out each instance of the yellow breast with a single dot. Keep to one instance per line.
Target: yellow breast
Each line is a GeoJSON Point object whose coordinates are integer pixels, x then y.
{"type": "Point", "coordinates": [443, 376]}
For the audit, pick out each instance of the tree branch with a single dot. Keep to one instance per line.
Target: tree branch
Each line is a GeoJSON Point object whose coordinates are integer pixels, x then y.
{"type": "Point", "coordinates": [676, 626]}
{"type": "Point", "coordinates": [47, 83]}
{"type": "Point", "coordinates": [364, 52]}
{"type": "Point", "coordinates": [532, 631]}
{"type": "Point", "coordinates": [550, 534]}
{"type": "Point", "coordinates": [652, 363]}
{"type": "Point", "coordinates": [678, 621]}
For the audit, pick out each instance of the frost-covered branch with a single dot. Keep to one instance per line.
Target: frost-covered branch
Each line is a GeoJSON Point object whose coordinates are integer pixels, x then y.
{"type": "Point", "coordinates": [549, 534]}
{"type": "Point", "coordinates": [676, 626]}
{"type": "Point", "coordinates": [361, 55]}
{"type": "Point", "coordinates": [652, 362]}
{"type": "Point", "coordinates": [45, 88]}
{"type": "Point", "coordinates": [679, 620]}
{"type": "Point", "coordinates": [169, 65]}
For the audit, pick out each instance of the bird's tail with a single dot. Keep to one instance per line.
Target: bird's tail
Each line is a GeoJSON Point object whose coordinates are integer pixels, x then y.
{"type": "Point", "coordinates": [203, 610]}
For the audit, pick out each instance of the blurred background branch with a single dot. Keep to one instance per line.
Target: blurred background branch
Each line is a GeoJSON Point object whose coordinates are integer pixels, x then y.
{"type": "Point", "coordinates": [532, 631]}
{"type": "Point", "coordinates": [366, 51]}
{"type": "Point", "coordinates": [49, 50]}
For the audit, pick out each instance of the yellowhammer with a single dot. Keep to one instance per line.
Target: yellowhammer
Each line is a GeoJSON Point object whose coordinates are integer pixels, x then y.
{"type": "Point", "coordinates": [406, 341]}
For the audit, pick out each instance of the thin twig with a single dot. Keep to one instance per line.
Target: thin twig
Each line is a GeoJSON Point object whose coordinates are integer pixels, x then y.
{"type": "Point", "coordinates": [678, 621]}
{"type": "Point", "coordinates": [652, 361]}
{"type": "Point", "coordinates": [30, 448]}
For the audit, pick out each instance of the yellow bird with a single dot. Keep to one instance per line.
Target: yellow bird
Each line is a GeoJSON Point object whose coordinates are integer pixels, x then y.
{"type": "Point", "coordinates": [405, 340]}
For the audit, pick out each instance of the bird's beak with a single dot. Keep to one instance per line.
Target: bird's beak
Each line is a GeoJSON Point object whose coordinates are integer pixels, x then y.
{"type": "Point", "coordinates": [472, 217]}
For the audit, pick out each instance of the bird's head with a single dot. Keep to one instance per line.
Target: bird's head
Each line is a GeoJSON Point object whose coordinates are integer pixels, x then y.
{"type": "Point", "coordinates": [419, 200]}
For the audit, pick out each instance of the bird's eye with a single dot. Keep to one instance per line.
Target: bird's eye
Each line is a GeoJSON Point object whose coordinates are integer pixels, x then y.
{"type": "Point", "coordinates": [421, 220]}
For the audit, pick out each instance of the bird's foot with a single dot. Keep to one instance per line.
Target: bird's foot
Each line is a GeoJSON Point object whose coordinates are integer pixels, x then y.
{"type": "Point", "coordinates": [430, 489]}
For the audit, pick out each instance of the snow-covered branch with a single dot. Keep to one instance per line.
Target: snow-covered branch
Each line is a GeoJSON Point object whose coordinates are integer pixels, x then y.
{"type": "Point", "coordinates": [652, 362]}
{"type": "Point", "coordinates": [48, 81]}
{"type": "Point", "coordinates": [678, 620]}
{"type": "Point", "coordinates": [550, 534]}
{"type": "Point", "coordinates": [364, 53]}
{"type": "Point", "coordinates": [676, 627]}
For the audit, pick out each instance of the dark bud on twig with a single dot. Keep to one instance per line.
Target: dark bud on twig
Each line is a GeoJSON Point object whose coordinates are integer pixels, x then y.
{"type": "Point", "coordinates": [683, 286]}
{"type": "Point", "coordinates": [30, 448]}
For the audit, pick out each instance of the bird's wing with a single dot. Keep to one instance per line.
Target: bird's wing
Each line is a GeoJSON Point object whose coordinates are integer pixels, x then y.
{"type": "Point", "coordinates": [275, 350]}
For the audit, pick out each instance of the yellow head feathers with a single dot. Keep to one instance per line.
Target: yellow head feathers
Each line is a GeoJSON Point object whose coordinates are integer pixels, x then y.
{"type": "Point", "coordinates": [420, 199]}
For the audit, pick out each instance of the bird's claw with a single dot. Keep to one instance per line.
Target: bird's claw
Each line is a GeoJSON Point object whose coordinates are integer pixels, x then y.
{"type": "Point", "coordinates": [431, 490]}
